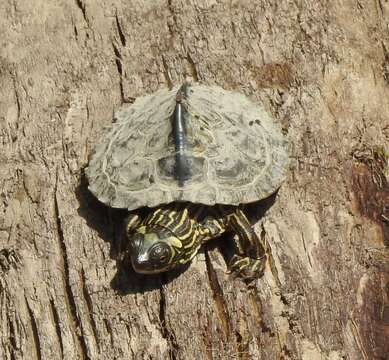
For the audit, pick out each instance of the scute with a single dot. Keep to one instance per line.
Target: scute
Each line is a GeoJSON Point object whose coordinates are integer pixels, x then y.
{"type": "Point", "coordinates": [166, 168]}
{"type": "Point", "coordinates": [227, 168]}
{"type": "Point", "coordinates": [236, 151]}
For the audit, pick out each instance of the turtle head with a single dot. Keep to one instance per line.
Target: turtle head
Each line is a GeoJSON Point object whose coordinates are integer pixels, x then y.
{"type": "Point", "coordinates": [155, 249]}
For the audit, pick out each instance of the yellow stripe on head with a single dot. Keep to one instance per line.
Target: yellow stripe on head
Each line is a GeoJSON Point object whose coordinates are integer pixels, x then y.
{"type": "Point", "coordinates": [141, 230]}
{"type": "Point", "coordinates": [184, 216]}
{"type": "Point", "coordinates": [173, 241]}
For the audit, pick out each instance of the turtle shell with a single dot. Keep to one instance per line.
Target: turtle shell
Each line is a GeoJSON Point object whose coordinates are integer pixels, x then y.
{"type": "Point", "coordinates": [237, 152]}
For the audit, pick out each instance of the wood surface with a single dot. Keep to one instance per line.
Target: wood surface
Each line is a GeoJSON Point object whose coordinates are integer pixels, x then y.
{"type": "Point", "coordinates": [320, 67]}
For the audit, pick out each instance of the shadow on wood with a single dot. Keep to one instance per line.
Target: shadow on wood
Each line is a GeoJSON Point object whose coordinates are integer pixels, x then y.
{"type": "Point", "coordinates": [110, 223]}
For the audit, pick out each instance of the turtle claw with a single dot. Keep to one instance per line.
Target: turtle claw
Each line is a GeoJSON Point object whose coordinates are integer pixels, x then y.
{"type": "Point", "coordinates": [247, 268]}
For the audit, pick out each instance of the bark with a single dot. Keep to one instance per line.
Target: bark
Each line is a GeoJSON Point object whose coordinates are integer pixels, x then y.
{"type": "Point", "coordinates": [321, 68]}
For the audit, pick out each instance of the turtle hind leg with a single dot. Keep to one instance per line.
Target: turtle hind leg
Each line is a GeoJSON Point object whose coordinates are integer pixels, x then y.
{"type": "Point", "coordinates": [249, 258]}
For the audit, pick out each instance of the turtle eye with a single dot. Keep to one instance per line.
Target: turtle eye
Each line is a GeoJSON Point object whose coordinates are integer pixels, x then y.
{"type": "Point", "coordinates": [160, 254]}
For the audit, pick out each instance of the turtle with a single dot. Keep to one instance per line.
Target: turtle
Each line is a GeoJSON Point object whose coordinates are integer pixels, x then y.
{"type": "Point", "coordinates": [193, 155]}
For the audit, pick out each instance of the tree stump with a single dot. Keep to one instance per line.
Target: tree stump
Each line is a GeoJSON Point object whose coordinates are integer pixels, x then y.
{"type": "Point", "coordinates": [321, 68]}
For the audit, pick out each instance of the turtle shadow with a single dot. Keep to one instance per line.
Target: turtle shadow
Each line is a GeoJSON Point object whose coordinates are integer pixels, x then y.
{"type": "Point", "coordinates": [100, 217]}
{"type": "Point", "coordinates": [127, 281]}
{"type": "Point", "coordinates": [257, 210]}
{"type": "Point", "coordinates": [109, 224]}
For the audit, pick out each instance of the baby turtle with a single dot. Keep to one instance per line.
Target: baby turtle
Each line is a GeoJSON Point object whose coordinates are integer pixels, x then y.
{"type": "Point", "coordinates": [193, 155]}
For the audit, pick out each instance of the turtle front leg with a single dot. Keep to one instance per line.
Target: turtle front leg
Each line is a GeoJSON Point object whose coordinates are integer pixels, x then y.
{"type": "Point", "coordinates": [211, 227]}
{"type": "Point", "coordinates": [249, 259]}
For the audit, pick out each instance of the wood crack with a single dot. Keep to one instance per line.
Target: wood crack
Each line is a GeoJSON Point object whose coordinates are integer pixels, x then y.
{"type": "Point", "coordinates": [14, 330]}
{"type": "Point", "coordinates": [306, 250]}
{"type": "Point", "coordinates": [70, 301]}
{"type": "Point", "coordinates": [18, 106]}
{"type": "Point", "coordinates": [176, 31]}
{"type": "Point", "coordinates": [381, 8]}
{"type": "Point", "coordinates": [108, 327]}
{"type": "Point", "coordinates": [119, 66]}
{"type": "Point", "coordinates": [218, 297]}
{"type": "Point", "coordinates": [57, 323]}
{"type": "Point", "coordinates": [74, 26]}
{"type": "Point", "coordinates": [35, 333]}
{"type": "Point", "coordinates": [89, 305]}
{"type": "Point", "coordinates": [120, 31]}
{"type": "Point", "coordinates": [242, 345]}
{"type": "Point", "coordinates": [172, 13]}
{"type": "Point", "coordinates": [271, 262]}
{"type": "Point", "coordinates": [166, 73]}
{"type": "Point", "coordinates": [166, 333]}
{"type": "Point", "coordinates": [192, 67]}
{"type": "Point", "coordinates": [81, 5]}
{"type": "Point", "coordinates": [9, 258]}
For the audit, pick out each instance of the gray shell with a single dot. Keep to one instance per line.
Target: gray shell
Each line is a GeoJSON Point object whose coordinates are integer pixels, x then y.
{"type": "Point", "coordinates": [241, 153]}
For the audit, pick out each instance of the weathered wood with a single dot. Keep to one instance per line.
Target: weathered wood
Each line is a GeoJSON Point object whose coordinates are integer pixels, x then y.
{"type": "Point", "coordinates": [322, 68]}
